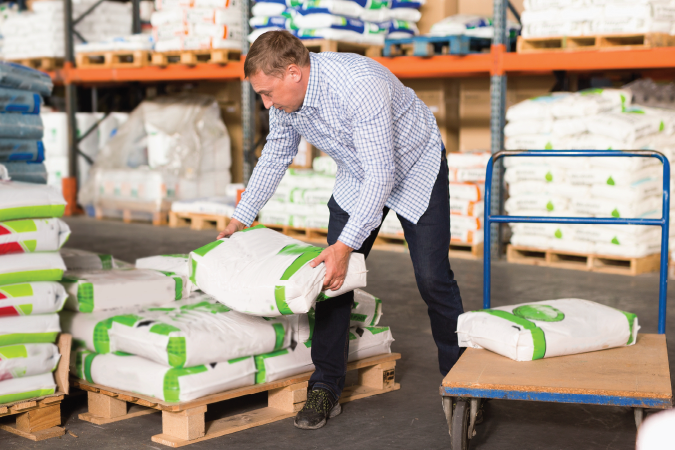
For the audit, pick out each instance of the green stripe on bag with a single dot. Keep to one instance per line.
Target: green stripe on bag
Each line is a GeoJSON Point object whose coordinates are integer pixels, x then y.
{"type": "Point", "coordinates": [102, 339]}
{"type": "Point", "coordinates": [201, 251]}
{"type": "Point", "coordinates": [31, 275]}
{"type": "Point", "coordinates": [193, 272]}
{"type": "Point", "coordinates": [261, 375]}
{"type": "Point", "coordinates": [538, 338]}
{"type": "Point", "coordinates": [176, 348]}
{"type": "Point", "coordinates": [257, 227]}
{"type": "Point", "coordinates": [377, 330]}
{"type": "Point", "coordinates": [13, 351]}
{"type": "Point", "coordinates": [17, 290]}
{"type": "Point", "coordinates": [30, 245]}
{"type": "Point", "coordinates": [88, 360]}
{"type": "Point", "coordinates": [280, 299]}
{"type": "Point", "coordinates": [25, 212]}
{"type": "Point", "coordinates": [358, 317]}
{"type": "Point", "coordinates": [280, 334]}
{"type": "Point", "coordinates": [171, 384]}
{"type": "Point", "coordinates": [306, 254]}
{"type": "Point", "coordinates": [378, 305]}
{"type": "Point", "coordinates": [106, 261]}
{"type": "Point", "coordinates": [24, 395]}
{"type": "Point", "coordinates": [178, 286]}
{"type": "Point", "coordinates": [21, 226]}
{"type": "Point", "coordinates": [85, 297]}
{"type": "Point", "coordinates": [631, 320]}
{"type": "Point", "coordinates": [28, 338]}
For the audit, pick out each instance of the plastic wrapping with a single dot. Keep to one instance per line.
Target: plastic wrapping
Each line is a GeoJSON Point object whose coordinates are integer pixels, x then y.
{"type": "Point", "coordinates": [181, 138]}
{"type": "Point", "coordinates": [19, 101]}
{"type": "Point", "coordinates": [26, 172]}
{"type": "Point", "coordinates": [21, 77]}
{"type": "Point", "coordinates": [21, 126]}
{"type": "Point", "coordinates": [21, 150]}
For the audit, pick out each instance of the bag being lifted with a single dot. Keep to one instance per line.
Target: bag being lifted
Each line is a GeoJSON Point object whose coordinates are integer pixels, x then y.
{"type": "Point", "coordinates": [136, 374]}
{"type": "Point", "coordinates": [546, 329]}
{"type": "Point", "coordinates": [261, 272]}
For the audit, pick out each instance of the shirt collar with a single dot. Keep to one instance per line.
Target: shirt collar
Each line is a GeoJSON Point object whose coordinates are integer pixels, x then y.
{"type": "Point", "coordinates": [312, 95]}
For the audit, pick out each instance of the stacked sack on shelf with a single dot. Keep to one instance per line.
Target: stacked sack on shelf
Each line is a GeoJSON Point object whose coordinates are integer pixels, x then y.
{"type": "Point", "coordinates": [30, 296]}
{"type": "Point", "coordinates": [126, 43]}
{"type": "Point", "coordinates": [470, 25]}
{"type": "Point", "coordinates": [596, 187]}
{"type": "Point", "coordinates": [56, 141]}
{"type": "Point", "coordinates": [197, 25]}
{"type": "Point", "coordinates": [544, 18]}
{"type": "Point", "coordinates": [40, 32]}
{"type": "Point", "coordinates": [301, 200]}
{"type": "Point", "coordinates": [467, 187]}
{"type": "Point", "coordinates": [360, 21]}
{"type": "Point", "coordinates": [21, 149]}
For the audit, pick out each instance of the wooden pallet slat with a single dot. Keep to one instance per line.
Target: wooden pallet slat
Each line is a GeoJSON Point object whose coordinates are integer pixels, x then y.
{"type": "Point", "coordinates": [194, 57]}
{"type": "Point", "coordinates": [619, 265]}
{"type": "Point", "coordinates": [327, 45]}
{"type": "Point", "coordinates": [45, 64]}
{"type": "Point", "coordinates": [197, 221]}
{"type": "Point", "coordinates": [184, 423]}
{"type": "Point", "coordinates": [606, 42]}
{"type": "Point", "coordinates": [113, 59]}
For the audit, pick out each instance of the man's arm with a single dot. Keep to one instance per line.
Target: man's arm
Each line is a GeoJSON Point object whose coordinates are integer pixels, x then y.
{"type": "Point", "coordinates": [370, 106]}
{"type": "Point", "coordinates": [280, 149]}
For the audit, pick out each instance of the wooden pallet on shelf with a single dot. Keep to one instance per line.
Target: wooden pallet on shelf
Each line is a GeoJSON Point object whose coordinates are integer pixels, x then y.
{"type": "Point", "coordinates": [113, 59]}
{"type": "Point", "coordinates": [327, 45]}
{"type": "Point", "coordinates": [133, 211]}
{"type": "Point", "coordinates": [197, 221]}
{"type": "Point", "coordinates": [194, 57]}
{"type": "Point", "coordinates": [183, 423]}
{"type": "Point", "coordinates": [39, 418]}
{"type": "Point", "coordinates": [635, 41]}
{"type": "Point", "coordinates": [45, 64]}
{"type": "Point", "coordinates": [579, 261]}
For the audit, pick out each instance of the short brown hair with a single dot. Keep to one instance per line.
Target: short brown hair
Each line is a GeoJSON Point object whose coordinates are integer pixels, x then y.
{"type": "Point", "coordinates": [273, 52]}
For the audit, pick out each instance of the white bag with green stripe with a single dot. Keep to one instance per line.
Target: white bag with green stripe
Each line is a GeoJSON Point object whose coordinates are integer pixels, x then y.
{"type": "Point", "coordinates": [99, 290]}
{"type": "Point", "coordinates": [37, 297]}
{"type": "Point", "coordinates": [27, 387]}
{"type": "Point", "coordinates": [40, 328]}
{"type": "Point", "coordinates": [369, 341]}
{"type": "Point", "coordinates": [29, 201]}
{"type": "Point", "coordinates": [261, 272]}
{"type": "Point", "coordinates": [367, 309]}
{"type": "Point", "coordinates": [32, 235]}
{"type": "Point", "coordinates": [184, 335]}
{"type": "Point", "coordinates": [177, 264]}
{"type": "Point", "coordinates": [15, 268]}
{"type": "Point", "coordinates": [140, 375]}
{"type": "Point", "coordinates": [83, 260]}
{"type": "Point", "coordinates": [25, 360]}
{"type": "Point", "coordinates": [530, 331]}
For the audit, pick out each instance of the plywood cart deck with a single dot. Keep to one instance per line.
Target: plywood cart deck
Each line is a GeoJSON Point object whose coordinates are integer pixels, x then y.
{"type": "Point", "coordinates": [637, 376]}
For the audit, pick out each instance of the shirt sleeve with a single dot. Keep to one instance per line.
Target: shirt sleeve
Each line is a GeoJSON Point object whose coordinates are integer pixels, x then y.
{"type": "Point", "coordinates": [277, 155]}
{"type": "Point", "coordinates": [371, 109]}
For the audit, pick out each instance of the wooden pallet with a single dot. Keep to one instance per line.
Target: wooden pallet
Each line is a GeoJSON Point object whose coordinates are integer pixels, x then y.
{"type": "Point", "coordinates": [466, 251]}
{"type": "Point", "coordinates": [580, 261]}
{"type": "Point", "coordinates": [113, 60]}
{"type": "Point", "coordinates": [46, 64]}
{"type": "Point", "coordinates": [326, 45]}
{"type": "Point", "coordinates": [38, 418]}
{"type": "Point", "coordinates": [602, 42]}
{"type": "Point", "coordinates": [197, 221]}
{"type": "Point", "coordinates": [193, 57]}
{"type": "Point", "coordinates": [436, 45]}
{"type": "Point", "coordinates": [183, 423]}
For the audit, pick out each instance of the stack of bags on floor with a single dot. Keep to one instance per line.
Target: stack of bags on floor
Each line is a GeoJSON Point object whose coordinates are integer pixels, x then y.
{"type": "Point", "coordinates": [21, 150]}
{"type": "Point", "coordinates": [56, 141]}
{"type": "Point", "coordinates": [40, 33]}
{"type": "Point", "coordinates": [182, 350]}
{"type": "Point", "coordinates": [470, 25]}
{"type": "Point", "coordinates": [301, 200]}
{"type": "Point", "coordinates": [544, 18]}
{"type": "Point", "coordinates": [30, 295]}
{"type": "Point", "coordinates": [467, 187]}
{"type": "Point", "coordinates": [596, 187]}
{"type": "Point", "coordinates": [197, 25]}
{"type": "Point", "coordinates": [360, 21]}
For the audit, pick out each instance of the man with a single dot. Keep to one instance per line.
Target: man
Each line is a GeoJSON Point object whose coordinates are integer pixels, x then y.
{"type": "Point", "coordinates": [389, 154]}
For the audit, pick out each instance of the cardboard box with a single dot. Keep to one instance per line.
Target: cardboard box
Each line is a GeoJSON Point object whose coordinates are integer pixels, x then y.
{"type": "Point", "coordinates": [305, 156]}
{"type": "Point", "coordinates": [486, 8]}
{"type": "Point", "coordinates": [434, 11]}
{"type": "Point", "coordinates": [442, 98]}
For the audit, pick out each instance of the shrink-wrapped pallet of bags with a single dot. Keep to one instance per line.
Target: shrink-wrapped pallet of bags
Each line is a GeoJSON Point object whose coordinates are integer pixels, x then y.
{"type": "Point", "coordinates": [261, 272]}
{"type": "Point", "coordinates": [467, 186]}
{"type": "Point", "coordinates": [546, 329]}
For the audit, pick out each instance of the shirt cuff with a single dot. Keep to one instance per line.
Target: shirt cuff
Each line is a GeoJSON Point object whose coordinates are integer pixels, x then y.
{"type": "Point", "coordinates": [353, 235]}
{"type": "Point", "coordinates": [244, 214]}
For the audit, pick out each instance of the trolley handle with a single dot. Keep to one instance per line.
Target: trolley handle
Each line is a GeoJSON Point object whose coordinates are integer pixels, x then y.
{"type": "Point", "coordinates": [663, 222]}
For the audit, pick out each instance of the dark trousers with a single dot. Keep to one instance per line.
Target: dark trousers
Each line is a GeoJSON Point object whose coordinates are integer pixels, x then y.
{"type": "Point", "coordinates": [428, 242]}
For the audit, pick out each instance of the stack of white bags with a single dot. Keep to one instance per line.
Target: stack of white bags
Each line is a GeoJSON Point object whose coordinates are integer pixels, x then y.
{"type": "Point", "coordinates": [361, 21]}
{"type": "Point", "coordinates": [209, 342]}
{"type": "Point", "coordinates": [40, 33]}
{"type": "Point", "coordinates": [590, 187]}
{"type": "Point", "coordinates": [30, 296]}
{"type": "Point", "coordinates": [197, 25]}
{"type": "Point", "coordinates": [470, 25]}
{"type": "Point", "coordinates": [548, 18]}
{"type": "Point", "coordinates": [467, 187]}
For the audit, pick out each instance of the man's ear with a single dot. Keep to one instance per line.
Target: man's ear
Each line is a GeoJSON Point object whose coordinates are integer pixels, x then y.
{"type": "Point", "coordinates": [294, 72]}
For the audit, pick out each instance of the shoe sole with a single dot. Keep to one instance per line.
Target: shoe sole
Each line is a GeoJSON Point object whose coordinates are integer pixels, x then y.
{"type": "Point", "coordinates": [333, 413]}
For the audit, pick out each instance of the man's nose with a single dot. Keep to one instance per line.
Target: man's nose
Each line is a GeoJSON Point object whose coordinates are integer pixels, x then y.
{"type": "Point", "coordinates": [266, 101]}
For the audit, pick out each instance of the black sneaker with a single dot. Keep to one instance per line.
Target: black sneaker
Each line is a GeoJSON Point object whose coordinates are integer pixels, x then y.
{"type": "Point", "coordinates": [319, 407]}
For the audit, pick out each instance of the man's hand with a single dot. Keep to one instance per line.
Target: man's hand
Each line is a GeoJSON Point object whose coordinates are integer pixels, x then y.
{"type": "Point", "coordinates": [231, 228]}
{"type": "Point", "coordinates": [336, 258]}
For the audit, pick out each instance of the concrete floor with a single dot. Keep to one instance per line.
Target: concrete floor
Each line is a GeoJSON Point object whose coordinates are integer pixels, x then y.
{"type": "Point", "coordinates": [412, 417]}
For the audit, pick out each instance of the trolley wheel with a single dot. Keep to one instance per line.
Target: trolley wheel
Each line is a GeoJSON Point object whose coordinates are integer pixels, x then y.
{"type": "Point", "coordinates": [459, 438]}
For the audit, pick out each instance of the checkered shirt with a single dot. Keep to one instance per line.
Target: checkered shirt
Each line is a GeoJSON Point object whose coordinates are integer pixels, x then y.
{"type": "Point", "coordinates": [385, 141]}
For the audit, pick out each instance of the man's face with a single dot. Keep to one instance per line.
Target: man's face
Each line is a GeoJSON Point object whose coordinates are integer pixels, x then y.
{"type": "Point", "coordinates": [285, 93]}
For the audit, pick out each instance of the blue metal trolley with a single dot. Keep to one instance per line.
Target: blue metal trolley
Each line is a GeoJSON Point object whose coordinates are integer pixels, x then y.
{"type": "Point", "coordinates": [637, 376]}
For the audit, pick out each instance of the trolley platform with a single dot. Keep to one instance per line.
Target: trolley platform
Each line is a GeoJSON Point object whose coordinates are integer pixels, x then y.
{"type": "Point", "coordinates": [637, 376]}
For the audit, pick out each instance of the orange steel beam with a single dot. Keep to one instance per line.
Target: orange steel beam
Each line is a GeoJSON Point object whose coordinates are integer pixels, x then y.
{"type": "Point", "coordinates": [437, 66]}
